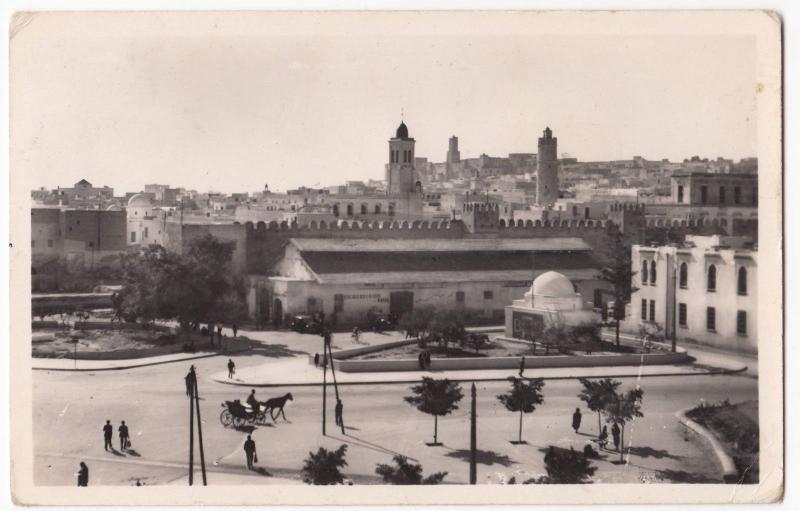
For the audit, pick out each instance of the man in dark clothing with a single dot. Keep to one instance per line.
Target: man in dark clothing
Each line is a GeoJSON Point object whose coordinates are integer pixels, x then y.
{"type": "Point", "coordinates": [427, 359]}
{"type": "Point", "coordinates": [250, 452]}
{"type": "Point", "coordinates": [337, 412]}
{"type": "Point", "coordinates": [231, 368]}
{"type": "Point", "coordinates": [123, 436]}
{"type": "Point", "coordinates": [253, 402]}
{"type": "Point", "coordinates": [219, 333]}
{"type": "Point", "coordinates": [235, 329]}
{"type": "Point", "coordinates": [576, 420]}
{"type": "Point", "coordinates": [421, 360]}
{"type": "Point", "coordinates": [83, 475]}
{"type": "Point", "coordinates": [316, 359]}
{"type": "Point", "coordinates": [615, 435]}
{"type": "Point", "coordinates": [521, 366]}
{"type": "Point", "coordinates": [108, 432]}
{"type": "Point", "coordinates": [190, 382]}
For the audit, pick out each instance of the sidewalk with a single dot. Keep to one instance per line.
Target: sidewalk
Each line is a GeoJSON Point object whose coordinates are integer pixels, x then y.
{"type": "Point", "coordinates": [298, 372]}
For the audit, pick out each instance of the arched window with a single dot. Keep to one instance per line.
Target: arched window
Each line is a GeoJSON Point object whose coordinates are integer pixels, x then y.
{"type": "Point", "coordinates": [712, 278]}
{"type": "Point", "coordinates": [335, 210]}
{"type": "Point", "coordinates": [363, 209]}
{"type": "Point", "coordinates": [644, 272]}
{"type": "Point", "coordinates": [349, 210]}
{"type": "Point", "coordinates": [684, 277]}
{"type": "Point", "coordinates": [377, 209]}
{"type": "Point", "coordinates": [652, 272]}
{"type": "Point", "coordinates": [742, 281]}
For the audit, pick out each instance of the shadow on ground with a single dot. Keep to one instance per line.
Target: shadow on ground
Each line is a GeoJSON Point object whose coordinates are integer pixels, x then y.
{"type": "Point", "coordinates": [649, 452]}
{"type": "Point", "coordinates": [483, 457]}
{"type": "Point", "coordinates": [681, 476]}
{"type": "Point", "coordinates": [268, 350]}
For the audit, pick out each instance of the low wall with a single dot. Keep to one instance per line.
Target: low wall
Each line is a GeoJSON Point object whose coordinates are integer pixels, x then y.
{"type": "Point", "coordinates": [107, 325]}
{"type": "Point", "coordinates": [354, 352]}
{"type": "Point", "coordinates": [44, 324]}
{"type": "Point", "coordinates": [449, 364]}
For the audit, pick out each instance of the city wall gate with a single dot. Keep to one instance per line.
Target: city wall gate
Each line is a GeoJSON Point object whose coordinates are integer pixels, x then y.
{"type": "Point", "coordinates": [401, 302]}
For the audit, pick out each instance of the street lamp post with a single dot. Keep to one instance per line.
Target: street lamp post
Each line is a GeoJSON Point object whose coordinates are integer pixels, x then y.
{"type": "Point", "coordinates": [74, 342]}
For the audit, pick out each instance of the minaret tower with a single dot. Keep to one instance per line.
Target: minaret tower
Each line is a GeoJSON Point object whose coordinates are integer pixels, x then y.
{"type": "Point", "coordinates": [400, 169]}
{"type": "Point", "coordinates": [547, 170]}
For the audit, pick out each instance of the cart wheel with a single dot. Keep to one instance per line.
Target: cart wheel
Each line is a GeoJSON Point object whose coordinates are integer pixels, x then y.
{"type": "Point", "coordinates": [226, 418]}
{"type": "Point", "coordinates": [262, 418]}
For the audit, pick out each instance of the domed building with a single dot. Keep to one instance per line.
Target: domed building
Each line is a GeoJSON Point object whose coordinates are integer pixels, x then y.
{"type": "Point", "coordinates": [552, 298]}
{"type": "Point", "coordinates": [146, 221]}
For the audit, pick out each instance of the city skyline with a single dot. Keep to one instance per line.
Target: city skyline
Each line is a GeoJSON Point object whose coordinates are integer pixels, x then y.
{"type": "Point", "coordinates": [197, 107]}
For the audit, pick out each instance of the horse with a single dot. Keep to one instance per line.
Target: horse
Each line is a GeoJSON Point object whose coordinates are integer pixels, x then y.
{"type": "Point", "coordinates": [279, 403]}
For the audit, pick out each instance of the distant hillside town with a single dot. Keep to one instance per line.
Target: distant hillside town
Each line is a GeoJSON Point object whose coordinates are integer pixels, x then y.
{"type": "Point", "coordinates": [473, 232]}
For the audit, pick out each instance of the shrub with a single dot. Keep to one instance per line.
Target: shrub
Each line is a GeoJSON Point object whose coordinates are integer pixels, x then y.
{"type": "Point", "coordinates": [404, 472]}
{"type": "Point", "coordinates": [322, 467]}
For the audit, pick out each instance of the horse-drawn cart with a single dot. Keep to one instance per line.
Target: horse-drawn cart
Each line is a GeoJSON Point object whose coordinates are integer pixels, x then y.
{"type": "Point", "coordinates": [236, 414]}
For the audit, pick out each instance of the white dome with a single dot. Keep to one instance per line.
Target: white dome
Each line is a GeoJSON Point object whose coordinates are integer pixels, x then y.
{"type": "Point", "coordinates": [140, 201]}
{"type": "Point", "coordinates": [552, 283]}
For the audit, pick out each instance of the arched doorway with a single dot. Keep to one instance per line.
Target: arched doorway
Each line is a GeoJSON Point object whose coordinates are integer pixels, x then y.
{"type": "Point", "coordinates": [277, 313]}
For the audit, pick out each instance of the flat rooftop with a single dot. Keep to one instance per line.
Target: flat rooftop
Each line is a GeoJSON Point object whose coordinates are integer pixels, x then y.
{"type": "Point", "coordinates": [441, 245]}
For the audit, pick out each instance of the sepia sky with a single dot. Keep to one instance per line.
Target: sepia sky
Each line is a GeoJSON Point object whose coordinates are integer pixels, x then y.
{"type": "Point", "coordinates": [232, 102]}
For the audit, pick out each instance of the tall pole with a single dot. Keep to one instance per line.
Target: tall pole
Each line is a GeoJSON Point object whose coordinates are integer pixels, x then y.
{"type": "Point", "coordinates": [473, 468]}
{"type": "Point", "coordinates": [324, 389]}
{"type": "Point", "coordinates": [199, 430]}
{"type": "Point", "coordinates": [191, 432]}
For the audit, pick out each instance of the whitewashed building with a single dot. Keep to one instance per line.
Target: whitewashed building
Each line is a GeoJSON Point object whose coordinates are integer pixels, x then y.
{"type": "Point", "coordinates": [702, 291]}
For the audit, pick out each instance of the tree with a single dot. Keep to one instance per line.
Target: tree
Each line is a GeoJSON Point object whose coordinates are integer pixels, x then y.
{"type": "Point", "coordinates": [597, 393]}
{"type": "Point", "coordinates": [404, 472]}
{"type": "Point", "coordinates": [623, 408]}
{"type": "Point", "coordinates": [416, 323]}
{"type": "Point", "coordinates": [190, 288]}
{"type": "Point", "coordinates": [437, 398]}
{"type": "Point", "coordinates": [323, 467]}
{"type": "Point", "coordinates": [523, 397]}
{"type": "Point", "coordinates": [475, 341]}
{"type": "Point", "coordinates": [566, 467]}
{"type": "Point", "coordinates": [448, 327]}
{"type": "Point", "coordinates": [619, 273]}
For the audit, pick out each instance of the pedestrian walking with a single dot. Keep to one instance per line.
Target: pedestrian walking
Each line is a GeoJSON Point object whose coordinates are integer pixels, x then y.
{"type": "Point", "coordinates": [231, 368]}
{"type": "Point", "coordinates": [421, 360]}
{"type": "Point", "coordinates": [602, 440]}
{"type": "Point", "coordinates": [428, 359]}
{"type": "Point", "coordinates": [337, 412]}
{"type": "Point", "coordinates": [576, 420]}
{"type": "Point", "coordinates": [250, 452]}
{"type": "Point", "coordinates": [108, 432]}
{"type": "Point", "coordinates": [124, 436]}
{"type": "Point", "coordinates": [235, 329]}
{"type": "Point", "coordinates": [316, 359]}
{"type": "Point", "coordinates": [615, 436]}
{"type": "Point", "coordinates": [521, 366]}
{"type": "Point", "coordinates": [189, 379]}
{"type": "Point", "coordinates": [83, 474]}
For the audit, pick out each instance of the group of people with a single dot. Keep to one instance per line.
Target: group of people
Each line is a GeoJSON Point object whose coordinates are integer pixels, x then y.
{"type": "Point", "coordinates": [602, 438]}
{"type": "Point", "coordinates": [124, 436]}
{"type": "Point", "coordinates": [424, 359]}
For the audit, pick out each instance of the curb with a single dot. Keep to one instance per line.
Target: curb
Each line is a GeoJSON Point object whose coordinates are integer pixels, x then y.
{"type": "Point", "coordinates": [729, 473]}
{"type": "Point", "coordinates": [467, 380]}
{"type": "Point", "coordinates": [135, 366]}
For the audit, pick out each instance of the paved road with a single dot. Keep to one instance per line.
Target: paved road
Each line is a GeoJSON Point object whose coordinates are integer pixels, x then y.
{"type": "Point", "coordinates": [70, 409]}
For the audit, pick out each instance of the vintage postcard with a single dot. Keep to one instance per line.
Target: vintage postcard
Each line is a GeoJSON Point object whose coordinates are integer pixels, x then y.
{"type": "Point", "coordinates": [366, 257]}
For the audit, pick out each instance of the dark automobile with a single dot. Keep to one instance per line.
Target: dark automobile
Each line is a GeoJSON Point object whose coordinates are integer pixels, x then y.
{"type": "Point", "coordinates": [306, 324]}
{"type": "Point", "coordinates": [378, 322]}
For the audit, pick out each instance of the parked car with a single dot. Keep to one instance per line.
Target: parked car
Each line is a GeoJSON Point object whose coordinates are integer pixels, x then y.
{"type": "Point", "coordinates": [378, 322]}
{"type": "Point", "coordinates": [305, 324]}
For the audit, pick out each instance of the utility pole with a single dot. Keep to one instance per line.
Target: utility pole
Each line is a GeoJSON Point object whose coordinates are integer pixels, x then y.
{"type": "Point", "coordinates": [199, 430]}
{"type": "Point", "coordinates": [191, 429]}
{"type": "Point", "coordinates": [473, 469]}
{"type": "Point", "coordinates": [324, 381]}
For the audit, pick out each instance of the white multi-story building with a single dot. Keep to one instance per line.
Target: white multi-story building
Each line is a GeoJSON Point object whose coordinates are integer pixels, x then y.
{"type": "Point", "coordinates": [703, 291]}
